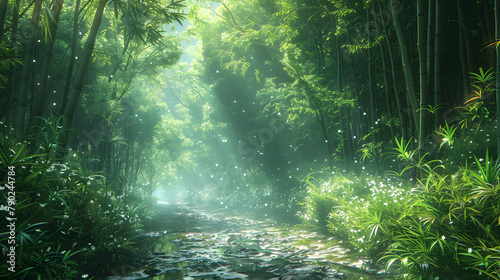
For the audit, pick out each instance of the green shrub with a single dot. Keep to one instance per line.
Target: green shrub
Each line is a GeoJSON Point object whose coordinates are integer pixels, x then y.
{"type": "Point", "coordinates": [66, 220]}
{"type": "Point", "coordinates": [445, 226]}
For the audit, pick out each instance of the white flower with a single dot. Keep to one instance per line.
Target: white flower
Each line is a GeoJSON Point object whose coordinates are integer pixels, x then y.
{"type": "Point", "coordinates": [469, 250]}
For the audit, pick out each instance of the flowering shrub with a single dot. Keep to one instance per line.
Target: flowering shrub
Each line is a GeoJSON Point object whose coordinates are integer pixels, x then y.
{"type": "Point", "coordinates": [361, 212]}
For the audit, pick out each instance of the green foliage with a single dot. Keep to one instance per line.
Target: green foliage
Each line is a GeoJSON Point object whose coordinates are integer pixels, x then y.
{"type": "Point", "coordinates": [412, 161]}
{"type": "Point", "coordinates": [65, 220]}
{"type": "Point", "coordinates": [478, 108]}
{"type": "Point", "coordinates": [363, 212]}
{"type": "Point", "coordinates": [450, 214]}
{"type": "Point", "coordinates": [483, 83]}
{"type": "Point", "coordinates": [368, 149]}
{"type": "Point", "coordinates": [8, 59]}
{"type": "Point", "coordinates": [445, 226]}
{"type": "Point", "coordinates": [446, 133]}
{"type": "Point", "coordinates": [466, 141]}
{"type": "Point", "coordinates": [489, 173]}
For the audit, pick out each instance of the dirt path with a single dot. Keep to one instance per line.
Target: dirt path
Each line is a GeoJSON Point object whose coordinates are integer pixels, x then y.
{"type": "Point", "coordinates": [199, 244]}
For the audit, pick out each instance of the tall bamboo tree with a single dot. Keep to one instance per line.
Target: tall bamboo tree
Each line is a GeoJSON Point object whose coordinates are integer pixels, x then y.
{"type": "Point", "coordinates": [497, 35]}
{"type": "Point", "coordinates": [399, 103]}
{"type": "Point", "coordinates": [12, 69]}
{"type": "Point", "coordinates": [464, 66]}
{"type": "Point", "coordinates": [344, 123]}
{"type": "Point", "coordinates": [410, 91]}
{"type": "Point", "coordinates": [465, 48]}
{"type": "Point", "coordinates": [22, 102]}
{"type": "Point", "coordinates": [383, 59]}
{"type": "Point", "coordinates": [4, 5]}
{"type": "Point", "coordinates": [37, 113]}
{"type": "Point", "coordinates": [371, 89]}
{"type": "Point", "coordinates": [71, 67]}
{"type": "Point", "coordinates": [77, 87]}
{"type": "Point", "coordinates": [422, 58]}
{"type": "Point", "coordinates": [438, 63]}
{"type": "Point", "coordinates": [431, 22]}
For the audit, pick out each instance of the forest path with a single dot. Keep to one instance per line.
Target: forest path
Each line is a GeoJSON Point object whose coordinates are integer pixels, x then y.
{"type": "Point", "coordinates": [212, 244]}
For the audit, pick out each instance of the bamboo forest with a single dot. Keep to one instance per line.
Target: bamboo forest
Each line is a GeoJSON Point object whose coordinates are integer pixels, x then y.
{"type": "Point", "coordinates": [250, 139]}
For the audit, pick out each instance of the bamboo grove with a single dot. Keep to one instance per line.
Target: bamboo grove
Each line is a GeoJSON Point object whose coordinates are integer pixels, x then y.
{"type": "Point", "coordinates": [50, 57]}
{"type": "Point", "coordinates": [362, 73]}
{"type": "Point", "coordinates": [277, 102]}
{"type": "Point", "coordinates": [359, 74]}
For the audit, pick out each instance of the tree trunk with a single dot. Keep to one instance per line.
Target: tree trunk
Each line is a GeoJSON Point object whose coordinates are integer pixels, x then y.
{"type": "Point", "coordinates": [464, 66]}
{"type": "Point", "coordinates": [372, 124]}
{"type": "Point", "coordinates": [497, 84]}
{"type": "Point", "coordinates": [399, 104]}
{"type": "Point", "coordinates": [318, 48]}
{"type": "Point", "coordinates": [72, 59]}
{"type": "Point", "coordinates": [4, 5]}
{"type": "Point", "coordinates": [464, 28]}
{"type": "Point", "coordinates": [431, 29]}
{"type": "Point", "coordinates": [44, 74]}
{"type": "Point", "coordinates": [12, 69]}
{"type": "Point", "coordinates": [438, 65]}
{"type": "Point", "coordinates": [406, 63]}
{"type": "Point", "coordinates": [78, 85]}
{"type": "Point", "coordinates": [490, 28]}
{"type": "Point", "coordinates": [422, 58]}
{"type": "Point", "coordinates": [465, 48]}
{"type": "Point", "coordinates": [27, 62]}
{"type": "Point", "coordinates": [344, 124]}
{"type": "Point", "coordinates": [383, 58]}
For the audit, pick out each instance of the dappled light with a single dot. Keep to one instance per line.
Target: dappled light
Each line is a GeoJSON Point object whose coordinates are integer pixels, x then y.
{"type": "Point", "coordinates": [260, 139]}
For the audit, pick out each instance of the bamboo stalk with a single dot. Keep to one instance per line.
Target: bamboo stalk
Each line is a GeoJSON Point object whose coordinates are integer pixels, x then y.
{"type": "Point", "coordinates": [78, 85]}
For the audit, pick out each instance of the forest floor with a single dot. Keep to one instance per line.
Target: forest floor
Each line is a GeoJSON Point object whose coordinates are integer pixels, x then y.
{"type": "Point", "coordinates": [196, 243]}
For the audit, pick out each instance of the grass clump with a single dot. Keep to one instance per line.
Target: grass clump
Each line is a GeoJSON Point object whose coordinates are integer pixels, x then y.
{"type": "Point", "coordinates": [443, 225]}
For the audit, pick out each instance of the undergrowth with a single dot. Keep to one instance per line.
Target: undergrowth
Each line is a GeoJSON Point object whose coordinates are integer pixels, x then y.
{"type": "Point", "coordinates": [68, 226]}
{"type": "Point", "coordinates": [441, 225]}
